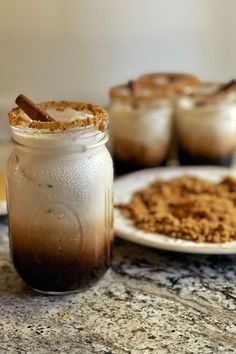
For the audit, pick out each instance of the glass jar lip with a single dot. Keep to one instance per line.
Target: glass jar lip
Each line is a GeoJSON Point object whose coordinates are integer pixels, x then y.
{"type": "Point", "coordinates": [96, 116]}
{"type": "Point", "coordinates": [138, 94]}
{"type": "Point", "coordinates": [170, 82]}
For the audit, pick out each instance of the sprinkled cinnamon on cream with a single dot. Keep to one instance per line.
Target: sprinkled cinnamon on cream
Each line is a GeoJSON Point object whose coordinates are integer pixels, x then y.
{"type": "Point", "coordinates": [136, 93]}
{"type": "Point", "coordinates": [169, 83]}
{"type": "Point", "coordinates": [209, 93]}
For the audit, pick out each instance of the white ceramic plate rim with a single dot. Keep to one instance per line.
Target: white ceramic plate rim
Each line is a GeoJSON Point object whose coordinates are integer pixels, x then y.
{"type": "Point", "coordinates": [125, 186]}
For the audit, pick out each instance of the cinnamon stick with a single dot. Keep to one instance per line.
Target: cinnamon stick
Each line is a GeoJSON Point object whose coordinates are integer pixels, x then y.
{"type": "Point", "coordinates": [131, 86]}
{"type": "Point", "coordinates": [32, 110]}
{"type": "Point", "coordinates": [226, 86]}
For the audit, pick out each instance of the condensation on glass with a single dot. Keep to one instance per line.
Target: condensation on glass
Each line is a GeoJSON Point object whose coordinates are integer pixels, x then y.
{"type": "Point", "coordinates": [206, 125]}
{"type": "Point", "coordinates": [60, 207]}
{"type": "Point", "coordinates": [141, 123]}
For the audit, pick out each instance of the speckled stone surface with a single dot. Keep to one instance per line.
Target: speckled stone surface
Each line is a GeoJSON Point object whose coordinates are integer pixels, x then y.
{"type": "Point", "coordinates": [148, 302]}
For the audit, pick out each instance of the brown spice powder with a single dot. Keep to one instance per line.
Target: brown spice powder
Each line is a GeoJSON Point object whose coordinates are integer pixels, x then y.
{"type": "Point", "coordinates": [186, 207]}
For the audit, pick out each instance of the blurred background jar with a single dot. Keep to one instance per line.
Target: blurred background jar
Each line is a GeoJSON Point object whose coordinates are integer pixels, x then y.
{"type": "Point", "coordinates": [172, 84]}
{"type": "Point", "coordinates": [206, 124]}
{"type": "Point", "coordinates": [141, 121]}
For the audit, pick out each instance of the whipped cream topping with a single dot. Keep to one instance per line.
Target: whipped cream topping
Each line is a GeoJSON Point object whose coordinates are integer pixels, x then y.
{"type": "Point", "coordinates": [161, 80]}
{"type": "Point", "coordinates": [68, 114]}
{"type": "Point", "coordinates": [204, 95]}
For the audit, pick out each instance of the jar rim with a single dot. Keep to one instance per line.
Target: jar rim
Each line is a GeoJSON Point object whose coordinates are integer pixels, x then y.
{"type": "Point", "coordinates": [208, 94]}
{"type": "Point", "coordinates": [134, 92]}
{"type": "Point", "coordinates": [169, 82]}
{"type": "Point", "coordinates": [97, 117]}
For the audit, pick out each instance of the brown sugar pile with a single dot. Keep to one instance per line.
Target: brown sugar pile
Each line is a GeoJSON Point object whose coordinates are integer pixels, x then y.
{"type": "Point", "coordinates": [186, 207]}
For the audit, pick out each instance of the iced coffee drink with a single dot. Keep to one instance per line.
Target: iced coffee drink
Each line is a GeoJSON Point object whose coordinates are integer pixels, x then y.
{"type": "Point", "coordinates": [172, 84]}
{"type": "Point", "coordinates": [206, 125]}
{"type": "Point", "coordinates": [60, 197]}
{"type": "Point", "coordinates": [141, 127]}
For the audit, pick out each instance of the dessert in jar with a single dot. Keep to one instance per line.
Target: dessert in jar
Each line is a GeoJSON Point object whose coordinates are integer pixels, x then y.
{"type": "Point", "coordinates": [141, 127]}
{"type": "Point", "coordinates": [60, 179]}
{"type": "Point", "coordinates": [206, 124]}
{"type": "Point", "coordinates": [171, 84]}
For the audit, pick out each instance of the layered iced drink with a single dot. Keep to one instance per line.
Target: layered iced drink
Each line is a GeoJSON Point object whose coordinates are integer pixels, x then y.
{"type": "Point", "coordinates": [171, 84]}
{"type": "Point", "coordinates": [141, 127]}
{"type": "Point", "coordinates": [206, 125]}
{"type": "Point", "coordinates": [60, 197]}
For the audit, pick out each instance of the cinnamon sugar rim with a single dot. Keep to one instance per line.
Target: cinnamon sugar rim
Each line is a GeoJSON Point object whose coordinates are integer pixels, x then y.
{"type": "Point", "coordinates": [133, 95]}
{"type": "Point", "coordinates": [99, 117]}
{"type": "Point", "coordinates": [172, 79]}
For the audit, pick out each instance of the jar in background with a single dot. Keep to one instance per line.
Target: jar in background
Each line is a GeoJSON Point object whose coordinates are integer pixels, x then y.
{"type": "Point", "coordinates": [141, 127]}
{"type": "Point", "coordinates": [171, 84]}
{"type": "Point", "coordinates": [60, 178]}
{"type": "Point", "coordinates": [206, 125]}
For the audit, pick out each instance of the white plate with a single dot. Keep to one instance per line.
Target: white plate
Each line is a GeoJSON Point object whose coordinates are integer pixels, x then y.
{"type": "Point", "coordinates": [125, 186]}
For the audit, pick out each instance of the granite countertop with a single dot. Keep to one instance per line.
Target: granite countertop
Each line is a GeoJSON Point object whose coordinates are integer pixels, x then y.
{"type": "Point", "coordinates": [148, 302]}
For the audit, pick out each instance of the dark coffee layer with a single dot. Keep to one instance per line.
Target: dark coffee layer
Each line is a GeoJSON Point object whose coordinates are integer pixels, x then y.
{"type": "Point", "coordinates": [186, 158]}
{"type": "Point", "coordinates": [122, 167]}
{"type": "Point", "coordinates": [58, 276]}
{"type": "Point", "coordinates": [51, 263]}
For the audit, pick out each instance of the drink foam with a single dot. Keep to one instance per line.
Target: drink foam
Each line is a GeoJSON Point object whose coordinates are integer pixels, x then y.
{"type": "Point", "coordinates": [69, 114]}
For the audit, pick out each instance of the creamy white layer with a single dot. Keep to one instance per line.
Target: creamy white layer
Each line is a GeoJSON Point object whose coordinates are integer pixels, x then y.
{"type": "Point", "coordinates": [208, 127]}
{"type": "Point", "coordinates": [69, 114]}
{"type": "Point", "coordinates": [42, 179]}
{"type": "Point", "coordinates": [143, 124]}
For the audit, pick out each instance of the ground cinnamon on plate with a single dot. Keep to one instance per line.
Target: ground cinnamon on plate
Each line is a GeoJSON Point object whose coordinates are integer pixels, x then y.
{"type": "Point", "coordinates": [186, 207]}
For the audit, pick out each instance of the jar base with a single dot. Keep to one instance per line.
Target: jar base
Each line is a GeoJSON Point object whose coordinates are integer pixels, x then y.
{"type": "Point", "coordinates": [59, 293]}
{"type": "Point", "coordinates": [123, 167]}
{"type": "Point", "coordinates": [186, 158]}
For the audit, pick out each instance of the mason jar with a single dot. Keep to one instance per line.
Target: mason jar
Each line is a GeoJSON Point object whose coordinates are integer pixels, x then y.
{"type": "Point", "coordinates": [141, 127]}
{"type": "Point", "coordinates": [172, 84]}
{"type": "Point", "coordinates": [206, 125]}
{"type": "Point", "coordinates": [59, 193]}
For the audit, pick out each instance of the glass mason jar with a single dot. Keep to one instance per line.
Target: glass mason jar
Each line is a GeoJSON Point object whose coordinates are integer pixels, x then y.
{"type": "Point", "coordinates": [172, 84]}
{"type": "Point", "coordinates": [59, 190]}
{"type": "Point", "coordinates": [206, 125]}
{"type": "Point", "coordinates": [141, 127]}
